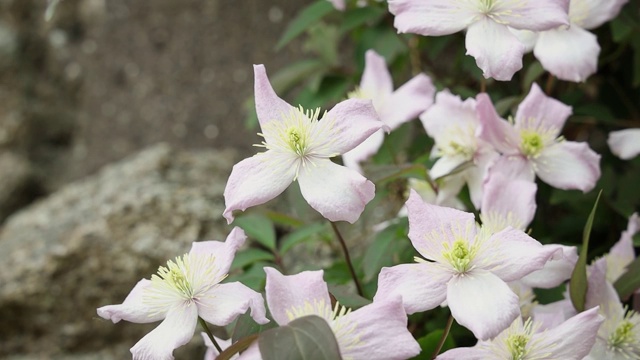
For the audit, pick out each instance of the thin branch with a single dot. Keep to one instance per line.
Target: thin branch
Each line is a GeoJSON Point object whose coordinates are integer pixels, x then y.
{"type": "Point", "coordinates": [347, 258]}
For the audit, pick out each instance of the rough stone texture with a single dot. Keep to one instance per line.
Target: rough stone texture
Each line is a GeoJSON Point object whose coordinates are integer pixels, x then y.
{"type": "Point", "coordinates": [90, 242]}
{"type": "Point", "coordinates": [17, 183]}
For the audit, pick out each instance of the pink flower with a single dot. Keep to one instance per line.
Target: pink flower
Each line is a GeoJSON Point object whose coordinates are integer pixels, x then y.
{"type": "Point", "coordinates": [299, 147]}
{"type": "Point", "coordinates": [376, 331]}
{"type": "Point", "coordinates": [394, 107]}
{"type": "Point", "coordinates": [497, 51]}
{"type": "Point", "coordinates": [466, 267]}
{"type": "Point", "coordinates": [187, 288]}
{"type": "Point", "coordinates": [531, 145]}
{"type": "Point", "coordinates": [625, 144]}
{"type": "Point", "coordinates": [571, 340]}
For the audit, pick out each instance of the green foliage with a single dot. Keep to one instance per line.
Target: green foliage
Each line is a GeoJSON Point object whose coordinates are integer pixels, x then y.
{"type": "Point", "coordinates": [259, 228]}
{"type": "Point", "coordinates": [308, 337]}
{"type": "Point", "coordinates": [307, 17]}
{"type": "Point", "coordinates": [429, 344]}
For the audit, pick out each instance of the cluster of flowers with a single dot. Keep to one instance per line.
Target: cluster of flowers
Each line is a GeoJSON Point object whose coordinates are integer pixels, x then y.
{"type": "Point", "coordinates": [484, 273]}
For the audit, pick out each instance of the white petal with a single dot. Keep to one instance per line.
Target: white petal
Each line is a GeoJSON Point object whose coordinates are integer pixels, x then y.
{"type": "Point", "coordinates": [431, 18]}
{"type": "Point", "coordinates": [408, 101]}
{"type": "Point", "coordinates": [569, 165]}
{"type": "Point", "coordinates": [376, 80]}
{"type": "Point", "coordinates": [225, 302]}
{"type": "Point", "coordinates": [362, 152]}
{"type": "Point", "coordinates": [446, 164]}
{"type": "Point", "coordinates": [590, 14]}
{"type": "Point", "coordinates": [541, 113]}
{"type": "Point", "coordinates": [556, 271]}
{"type": "Point", "coordinates": [133, 308]}
{"type": "Point", "coordinates": [625, 144]}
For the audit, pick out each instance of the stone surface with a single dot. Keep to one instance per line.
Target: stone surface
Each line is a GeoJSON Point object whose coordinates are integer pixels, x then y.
{"type": "Point", "coordinates": [87, 244]}
{"type": "Point", "coordinates": [17, 183]}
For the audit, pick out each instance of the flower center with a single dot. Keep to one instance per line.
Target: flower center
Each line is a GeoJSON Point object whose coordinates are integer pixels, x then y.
{"type": "Point", "coordinates": [296, 140]}
{"type": "Point", "coordinates": [623, 335]}
{"type": "Point", "coordinates": [532, 143]}
{"type": "Point", "coordinates": [174, 275]}
{"type": "Point", "coordinates": [517, 343]}
{"type": "Point", "coordinates": [486, 5]}
{"type": "Point", "coordinates": [459, 255]}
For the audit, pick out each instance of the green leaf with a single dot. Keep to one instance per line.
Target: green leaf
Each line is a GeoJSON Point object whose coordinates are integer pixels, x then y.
{"type": "Point", "coordinates": [323, 40]}
{"type": "Point", "coordinates": [429, 344]}
{"type": "Point", "coordinates": [380, 253]}
{"type": "Point", "coordinates": [254, 277]}
{"type": "Point", "coordinates": [534, 71]}
{"type": "Point", "coordinates": [245, 326]}
{"type": "Point", "coordinates": [305, 18]}
{"type": "Point", "coordinates": [629, 282]}
{"type": "Point", "coordinates": [237, 347]}
{"type": "Point", "coordinates": [344, 294]}
{"type": "Point", "coordinates": [308, 337]}
{"type": "Point", "coordinates": [636, 240]}
{"type": "Point", "coordinates": [504, 105]}
{"type": "Point", "coordinates": [305, 233]}
{"type": "Point", "coordinates": [621, 27]}
{"type": "Point", "coordinates": [258, 227]}
{"type": "Point", "coordinates": [578, 287]}
{"type": "Point", "coordinates": [359, 16]}
{"type": "Point", "coordinates": [250, 256]}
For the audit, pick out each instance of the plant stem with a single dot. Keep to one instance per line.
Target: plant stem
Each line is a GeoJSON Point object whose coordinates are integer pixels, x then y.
{"type": "Point", "coordinates": [550, 82]}
{"type": "Point", "coordinates": [347, 258]}
{"type": "Point", "coordinates": [445, 333]}
{"type": "Point", "coordinates": [483, 85]}
{"type": "Point", "coordinates": [206, 329]}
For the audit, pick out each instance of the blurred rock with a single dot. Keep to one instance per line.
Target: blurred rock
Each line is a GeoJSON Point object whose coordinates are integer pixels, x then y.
{"type": "Point", "coordinates": [17, 183]}
{"type": "Point", "coordinates": [87, 244]}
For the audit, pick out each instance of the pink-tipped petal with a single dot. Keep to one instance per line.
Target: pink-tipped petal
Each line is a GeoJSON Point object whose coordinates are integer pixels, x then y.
{"type": "Point", "coordinates": [285, 293]}
{"type": "Point", "coordinates": [569, 54]}
{"type": "Point", "coordinates": [482, 302]}
{"type": "Point", "coordinates": [225, 302]}
{"type": "Point", "coordinates": [224, 252]}
{"type": "Point", "coordinates": [256, 180]}
{"type": "Point", "coordinates": [376, 80]}
{"type": "Point", "coordinates": [589, 14]}
{"type": "Point", "coordinates": [353, 121]}
{"type": "Point", "coordinates": [497, 51]}
{"type": "Point", "coordinates": [508, 202]}
{"type": "Point", "coordinates": [408, 101]}
{"type": "Point", "coordinates": [495, 130]}
{"type": "Point", "coordinates": [174, 331]}
{"type": "Point", "coordinates": [269, 106]}
{"type": "Point", "coordinates": [541, 113]}
{"type": "Point", "coordinates": [362, 152]}
{"type": "Point", "coordinates": [536, 15]}
{"type": "Point", "coordinates": [430, 18]}
{"type": "Point", "coordinates": [336, 192]}
{"type": "Point", "coordinates": [430, 226]}
{"type": "Point", "coordinates": [378, 325]}
{"type": "Point", "coordinates": [556, 271]}
{"type": "Point", "coordinates": [569, 165]}
{"type": "Point", "coordinates": [625, 144]}
{"type": "Point", "coordinates": [421, 286]}
{"type": "Point", "coordinates": [133, 308]}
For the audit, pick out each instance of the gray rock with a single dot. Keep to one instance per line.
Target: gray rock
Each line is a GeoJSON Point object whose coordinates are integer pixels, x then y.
{"type": "Point", "coordinates": [17, 183]}
{"type": "Point", "coordinates": [87, 244]}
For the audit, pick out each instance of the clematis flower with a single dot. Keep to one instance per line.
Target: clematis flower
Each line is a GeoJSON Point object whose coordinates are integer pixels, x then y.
{"type": "Point", "coordinates": [187, 288]}
{"type": "Point", "coordinates": [466, 267]}
{"type": "Point", "coordinates": [619, 336]}
{"type": "Point", "coordinates": [622, 252]}
{"type": "Point", "coordinates": [299, 147]}
{"type": "Point", "coordinates": [453, 123]}
{"type": "Point", "coordinates": [625, 144]}
{"type": "Point", "coordinates": [531, 145]}
{"type": "Point", "coordinates": [366, 333]}
{"type": "Point", "coordinates": [497, 51]}
{"type": "Point", "coordinates": [394, 107]}
{"type": "Point", "coordinates": [570, 340]}
{"type": "Point", "coordinates": [571, 53]}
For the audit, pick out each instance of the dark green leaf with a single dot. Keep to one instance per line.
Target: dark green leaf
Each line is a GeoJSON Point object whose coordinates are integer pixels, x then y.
{"type": "Point", "coordinates": [253, 278]}
{"type": "Point", "coordinates": [380, 253]}
{"type": "Point", "coordinates": [307, 17]}
{"type": "Point", "coordinates": [629, 282]}
{"type": "Point", "coordinates": [239, 346]}
{"type": "Point", "coordinates": [308, 337]}
{"type": "Point", "coordinates": [359, 16]}
{"type": "Point", "coordinates": [245, 326]}
{"type": "Point", "coordinates": [534, 71]}
{"type": "Point", "coordinates": [258, 227]}
{"type": "Point", "coordinates": [305, 233]}
{"type": "Point", "coordinates": [250, 256]}
{"type": "Point", "coordinates": [578, 287]}
{"type": "Point", "coordinates": [429, 344]}
{"type": "Point", "coordinates": [504, 105]}
{"type": "Point", "coordinates": [345, 295]}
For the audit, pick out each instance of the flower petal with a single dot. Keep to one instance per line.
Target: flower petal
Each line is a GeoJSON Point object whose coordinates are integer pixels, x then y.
{"type": "Point", "coordinates": [569, 165]}
{"type": "Point", "coordinates": [176, 330]}
{"type": "Point", "coordinates": [376, 80]}
{"type": "Point", "coordinates": [133, 308]}
{"type": "Point", "coordinates": [536, 15]}
{"type": "Point", "coordinates": [589, 14]}
{"type": "Point", "coordinates": [600, 292]}
{"type": "Point", "coordinates": [449, 118]}
{"type": "Point", "coordinates": [269, 106]}
{"type": "Point", "coordinates": [508, 202]}
{"type": "Point", "coordinates": [252, 352]}
{"type": "Point", "coordinates": [553, 314]}
{"type": "Point", "coordinates": [541, 113]}
{"type": "Point", "coordinates": [515, 167]}
{"type": "Point", "coordinates": [256, 180]}
{"type": "Point", "coordinates": [225, 302]}
{"type": "Point", "coordinates": [446, 165]}
{"type": "Point", "coordinates": [625, 144]}
{"type": "Point", "coordinates": [212, 353]}
{"type": "Point", "coordinates": [288, 292]}
{"type": "Point", "coordinates": [466, 353]}
{"type": "Point", "coordinates": [556, 271]}
{"type": "Point", "coordinates": [430, 18]}
{"type": "Point", "coordinates": [569, 54]}
{"type": "Point", "coordinates": [353, 121]}
{"type": "Point", "coordinates": [421, 286]}
{"type": "Point", "coordinates": [376, 326]}
{"type": "Point", "coordinates": [430, 226]}
{"type": "Point", "coordinates": [482, 302]}
{"type": "Point", "coordinates": [362, 152]}
{"type": "Point", "coordinates": [622, 252]}
{"type": "Point", "coordinates": [497, 51]}
{"type": "Point", "coordinates": [408, 101]}
{"type": "Point", "coordinates": [336, 192]}
{"type": "Point", "coordinates": [224, 252]}
{"type": "Point", "coordinates": [495, 130]}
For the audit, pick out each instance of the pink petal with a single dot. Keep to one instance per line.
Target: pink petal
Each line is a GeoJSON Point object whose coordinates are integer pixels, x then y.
{"type": "Point", "coordinates": [622, 252]}
{"type": "Point", "coordinates": [269, 106]}
{"type": "Point", "coordinates": [569, 165]}
{"type": "Point", "coordinates": [286, 292]}
{"type": "Point", "coordinates": [512, 254]}
{"type": "Point", "coordinates": [377, 326]}
{"type": "Point", "coordinates": [541, 113]}
{"type": "Point", "coordinates": [515, 167]}
{"type": "Point", "coordinates": [421, 286]}
{"type": "Point", "coordinates": [553, 314]}
{"type": "Point", "coordinates": [354, 120]}
{"type": "Point", "coordinates": [569, 54]}
{"type": "Point", "coordinates": [592, 13]}
{"type": "Point", "coordinates": [224, 252]}
{"type": "Point", "coordinates": [571, 340]}
{"type": "Point", "coordinates": [495, 130]}
{"type": "Point", "coordinates": [625, 144]}
{"type": "Point", "coordinates": [476, 176]}
{"type": "Point", "coordinates": [430, 226]}
{"type": "Point", "coordinates": [448, 114]}
{"type": "Point", "coordinates": [133, 308]}
{"type": "Point", "coordinates": [508, 202]}
{"type": "Point", "coordinates": [362, 152]}
{"type": "Point", "coordinates": [556, 271]}
{"type": "Point", "coordinates": [256, 180]}
{"type": "Point", "coordinates": [225, 302]}
{"type": "Point", "coordinates": [431, 18]}
{"type": "Point", "coordinates": [497, 51]}
{"type": "Point", "coordinates": [336, 192]}
{"type": "Point", "coordinates": [600, 292]}
{"type": "Point", "coordinates": [466, 353]}
{"type": "Point", "coordinates": [376, 80]}
{"type": "Point", "coordinates": [408, 101]}
{"type": "Point", "coordinates": [536, 15]}
{"type": "Point", "coordinates": [176, 330]}
{"type": "Point", "coordinates": [482, 302]}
